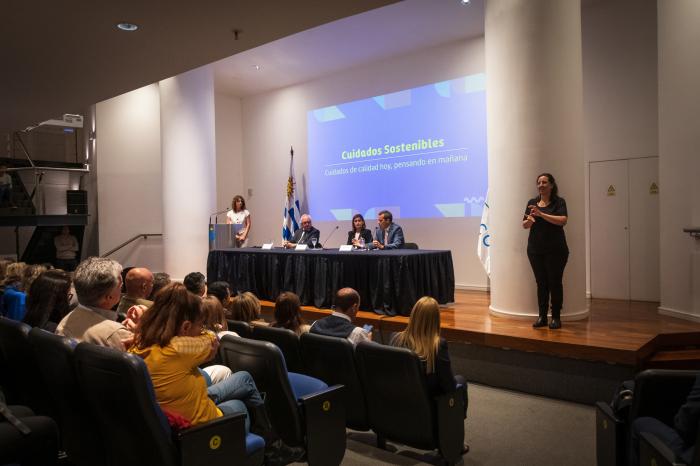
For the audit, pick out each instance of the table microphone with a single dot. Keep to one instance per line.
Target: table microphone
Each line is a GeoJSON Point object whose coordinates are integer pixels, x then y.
{"type": "Point", "coordinates": [329, 236]}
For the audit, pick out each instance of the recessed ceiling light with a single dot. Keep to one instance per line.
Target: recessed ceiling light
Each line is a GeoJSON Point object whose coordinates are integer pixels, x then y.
{"type": "Point", "coordinates": [464, 2]}
{"type": "Point", "coordinates": [257, 67]}
{"type": "Point", "coordinates": [128, 27]}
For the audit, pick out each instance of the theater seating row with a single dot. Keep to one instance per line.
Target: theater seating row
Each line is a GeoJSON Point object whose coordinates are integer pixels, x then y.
{"type": "Point", "coordinates": [107, 414]}
{"type": "Point", "coordinates": [385, 388]}
{"type": "Point", "coordinates": [658, 393]}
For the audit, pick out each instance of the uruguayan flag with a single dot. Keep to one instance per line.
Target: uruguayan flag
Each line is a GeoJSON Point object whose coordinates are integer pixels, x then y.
{"type": "Point", "coordinates": [292, 213]}
{"type": "Point", "coordinates": [483, 248]}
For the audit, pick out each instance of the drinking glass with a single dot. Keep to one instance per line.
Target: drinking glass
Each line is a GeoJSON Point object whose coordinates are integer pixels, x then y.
{"type": "Point", "coordinates": [314, 240]}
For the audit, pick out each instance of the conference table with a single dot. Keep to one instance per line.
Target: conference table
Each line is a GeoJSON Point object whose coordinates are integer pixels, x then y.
{"type": "Point", "coordinates": [387, 280]}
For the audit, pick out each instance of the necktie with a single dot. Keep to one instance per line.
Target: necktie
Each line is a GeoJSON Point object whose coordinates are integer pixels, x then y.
{"type": "Point", "coordinates": [386, 237]}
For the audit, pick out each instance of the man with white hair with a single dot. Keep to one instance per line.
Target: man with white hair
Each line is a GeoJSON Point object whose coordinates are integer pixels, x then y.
{"type": "Point", "coordinates": [98, 283]}
{"type": "Point", "coordinates": [305, 234]}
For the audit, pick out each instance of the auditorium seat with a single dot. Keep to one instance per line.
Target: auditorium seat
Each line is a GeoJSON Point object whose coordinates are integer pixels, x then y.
{"type": "Point", "coordinates": [81, 439]}
{"type": "Point", "coordinates": [243, 329]}
{"type": "Point", "coordinates": [653, 451]}
{"type": "Point", "coordinates": [23, 383]}
{"type": "Point", "coordinates": [332, 360]}
{"type": "Point", "coordinates": [118, 389]}
{"type": "Point", "coordinates": [286, 340]}
{"type": "Point", "coordinates": [658, 393]}
{"type": "Point", "coordinates": [410, 245]}
{"type": "Point", "coordinates": [304, 411]}
{"type": "Point", "coordinates": [38, 447]}
{"type": "Point", "coordinates": [399, 404]}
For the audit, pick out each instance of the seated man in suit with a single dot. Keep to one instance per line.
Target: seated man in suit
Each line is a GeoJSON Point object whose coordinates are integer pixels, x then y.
{"type": "Point", "coordinates": [339, 324]}
{"type": "Point", "coordinates": [305, 235]}
{"type": "Point", "coordinates": [388, 235]}
{"type": "Point", "coordinates": [139, 283]}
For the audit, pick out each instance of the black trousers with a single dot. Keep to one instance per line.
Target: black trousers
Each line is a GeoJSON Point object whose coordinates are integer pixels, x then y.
{"type": "Point", "coordinates": [548, 270]}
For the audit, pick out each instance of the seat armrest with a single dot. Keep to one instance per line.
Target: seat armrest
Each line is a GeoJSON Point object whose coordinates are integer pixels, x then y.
{"type": "Point", "coordinates": [610, 438]}
{"type": "Point", "coordinates": [220, 442]}
{"type": "Point", "coordinates": [654, 451]}
{"type": "Point", "coordinates": [324, 418]}
{"type": "Point", "coordinates": [449, 408]}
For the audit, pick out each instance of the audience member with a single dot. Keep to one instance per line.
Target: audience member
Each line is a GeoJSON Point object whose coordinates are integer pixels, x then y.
{"type": "Point", "coordinates": [221, 290]}
{"type": "Point", "coordinates": [160, 279]}
{"type": "Point", "coordinates": [288, 313]}
{"type": "Point", "coordinates": [172, 341]}
{"type": "Point", "coordinates": [139, 283]}
{"type": "Point", "coordinates": [31, 271]}
{"type": "Point", "coordinates": [48, 301]}
{"type": "Point", "coordinates": [340, 322]}
{"type": "Point", "coordinates": [246, 308]}
{"type": "Point", "coordinates": [195, 283]}
{"type": "Point", "coordinates": [13, 297]}
{"type": "Point", "coordinates": [67, 248]}
{"type": "Point", "coordinates": [214, 318]}
{"type": "Point", "coordinates": [133, 316]}
{"type": "Point", "coordinates": [422, 336]}
{"type": "Point", "coordinates": [97, 283]}
{"type": "Point", "coordinates": [680, 438]}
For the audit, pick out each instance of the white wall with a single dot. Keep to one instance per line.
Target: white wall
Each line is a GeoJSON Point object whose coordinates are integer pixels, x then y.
{"type": "Point", "coordinates": [229, 151]}
{"type": "Point", "coordinates": [129, 176]}
{"type": "Point", "coordinates": [679, 161]}
{"type": "Point", "coordinates": [275, 120]}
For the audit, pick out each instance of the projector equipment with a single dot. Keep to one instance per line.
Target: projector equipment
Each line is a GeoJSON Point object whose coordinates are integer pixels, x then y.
{"type": "Point", "coordinates": [69, 120]}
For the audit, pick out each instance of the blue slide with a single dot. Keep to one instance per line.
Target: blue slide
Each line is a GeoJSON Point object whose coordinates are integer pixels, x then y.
{"type": "Point", "coordinates": [420, 153]}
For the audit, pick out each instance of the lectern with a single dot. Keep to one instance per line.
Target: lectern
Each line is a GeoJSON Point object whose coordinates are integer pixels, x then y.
{"type": "Point", "coordinates": [223, 235]}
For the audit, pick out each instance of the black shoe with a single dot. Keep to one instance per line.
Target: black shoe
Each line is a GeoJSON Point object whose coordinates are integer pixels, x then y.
{"type": "Point", "coordinates": [555, 324]}
{"type": "Point", "coordinates": [541, 322]}
{"type": "Point", "coordinates": [279, 454]}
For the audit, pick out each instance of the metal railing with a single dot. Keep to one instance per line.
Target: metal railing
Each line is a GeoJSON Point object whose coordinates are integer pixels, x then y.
{"type": "Point", "coordinates": [129, 241]}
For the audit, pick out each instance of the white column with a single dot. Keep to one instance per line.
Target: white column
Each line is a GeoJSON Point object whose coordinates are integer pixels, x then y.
{"type": "Point", "coordinates": [679, 161]}
{"type": "Point", "coordinates": [188, 175]}
{"type": "Point", "coordinates": [534, 108]}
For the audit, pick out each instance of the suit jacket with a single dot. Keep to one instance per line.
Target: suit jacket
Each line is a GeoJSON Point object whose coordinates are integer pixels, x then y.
{"type": "Point", "coordinates": [313, 233]}
{"type": "Point", "coordinates": [366, 234]}
{"type": "Point", "coordinates": [396, 240]}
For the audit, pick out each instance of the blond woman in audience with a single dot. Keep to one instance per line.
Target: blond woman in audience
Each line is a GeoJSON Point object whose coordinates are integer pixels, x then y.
{"type": "Point", "coordinates": [214, 318]}
{"type": "Point", "coordinates": [246, 308]}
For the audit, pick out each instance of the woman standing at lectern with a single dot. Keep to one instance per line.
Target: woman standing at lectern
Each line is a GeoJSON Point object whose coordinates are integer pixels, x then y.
{"type": "Point", "coordinates": [545, 217]}
{"type": "Point", "coordinates": [238, 215]}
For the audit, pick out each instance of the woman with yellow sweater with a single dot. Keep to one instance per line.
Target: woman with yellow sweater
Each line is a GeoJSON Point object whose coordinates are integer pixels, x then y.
{"type": "Point", "coordinates": [172, 341]}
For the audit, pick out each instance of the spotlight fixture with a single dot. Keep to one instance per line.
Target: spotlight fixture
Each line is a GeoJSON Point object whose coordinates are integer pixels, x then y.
{"type": "Point", "coordinates": [257, 67]}
{"type": "Point", "coordinates": [128, 27]}
{"type": "Point", "coordinates": [464, 2]}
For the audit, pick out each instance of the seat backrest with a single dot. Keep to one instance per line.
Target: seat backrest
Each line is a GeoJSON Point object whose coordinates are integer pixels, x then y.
{"type": "Point", "coordinates": [23, 384]}
{"type": "Point", "coordinates": [243, 329]}
{"type": "Point", "coordinates": [410, 245]}
{"type": "Point", "coordinates": [659, 393]}
{"type": "Point", "coordinates": [399, 405]}
{"type": "Point", "coordinates": [80, 435]}
{"type": "Point", "coordinates": [265, 363]}
{"type": "Point", "coordinates": [118, 389]}
{"type": "Point", "coordinates": [332, 360]}
{"type": "Point", "coordinates": [286, 340]}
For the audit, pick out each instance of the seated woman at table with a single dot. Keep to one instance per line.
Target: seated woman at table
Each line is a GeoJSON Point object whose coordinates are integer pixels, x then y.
{"type": "Point", "coordinates": [245, 307]}
{"type": "Point", "coordinates": [422, 336]}
{"type": "Point", "coordinates": [359, 236]}
{"type": "Point", "coordinates": [288, 313]}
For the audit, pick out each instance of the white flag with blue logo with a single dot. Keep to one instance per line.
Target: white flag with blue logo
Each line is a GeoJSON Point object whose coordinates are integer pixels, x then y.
{"type": "Point", "coordinates": [292, 212]}
{"type": "Point", "coordinates": [484, 246]}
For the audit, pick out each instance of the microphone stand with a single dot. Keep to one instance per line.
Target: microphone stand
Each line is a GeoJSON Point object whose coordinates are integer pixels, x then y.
{"type": "Point", "coordinates": [329, 236]}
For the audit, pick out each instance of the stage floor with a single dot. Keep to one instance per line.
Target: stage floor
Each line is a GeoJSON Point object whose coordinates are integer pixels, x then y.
{"type": "Point", "coordinates": [620, 332]}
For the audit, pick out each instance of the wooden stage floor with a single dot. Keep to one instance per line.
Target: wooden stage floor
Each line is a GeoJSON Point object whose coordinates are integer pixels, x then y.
{"type": "Point", "coordinates": [620, 332]}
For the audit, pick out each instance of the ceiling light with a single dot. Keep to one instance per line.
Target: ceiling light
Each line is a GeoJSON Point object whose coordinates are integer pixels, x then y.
{"type": "Point", "coordinates": [257, 67]}
{"type": "Point", "coordinates": [464, 2]}
{"type": "Point", "coordinates": [128, 27]}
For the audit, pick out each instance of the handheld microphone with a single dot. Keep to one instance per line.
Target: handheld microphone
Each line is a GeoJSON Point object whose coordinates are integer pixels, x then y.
{"type": "Point", "coordinates": [329, 236]}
